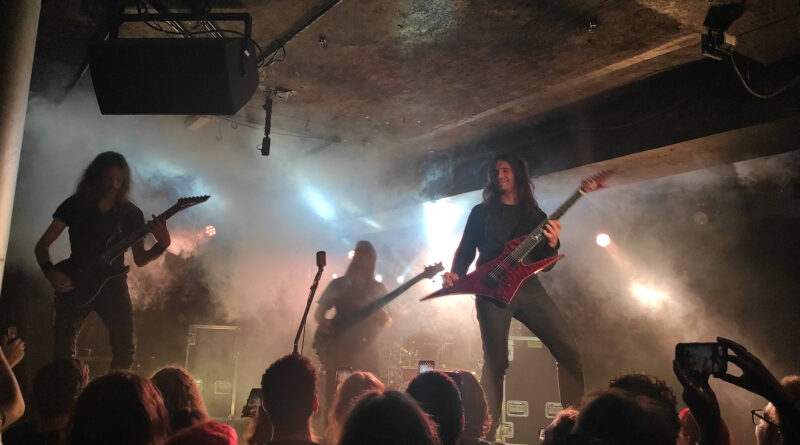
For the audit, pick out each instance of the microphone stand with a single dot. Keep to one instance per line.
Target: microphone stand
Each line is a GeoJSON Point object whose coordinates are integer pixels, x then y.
{"type": "Point", "coordinates": [312, 291]}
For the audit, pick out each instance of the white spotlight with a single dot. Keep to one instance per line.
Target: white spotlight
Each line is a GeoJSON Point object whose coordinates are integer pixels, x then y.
{"type": "Point", "coordinates": [603, 240]}
{"type": "Point", "coordinates": [351, 254]}
{"type": "Point", "coordinates": [400, 279]}
{"type": "Point", "coordinates": [647, 296]}
{"type": "Point", "coordinates": [335, 276]}
{"type": "Point", "coordinates": [379, 278]}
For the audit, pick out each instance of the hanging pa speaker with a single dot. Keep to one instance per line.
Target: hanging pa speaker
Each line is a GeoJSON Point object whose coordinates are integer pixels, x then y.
{"type": "Point", "coordinates": [173, 75]}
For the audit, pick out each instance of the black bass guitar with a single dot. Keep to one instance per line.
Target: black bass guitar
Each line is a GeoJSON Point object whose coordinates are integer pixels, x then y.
{"type": "Point", "coordinates": [324, 341]}
{"type": "Point", "coordinates": [89, 277]}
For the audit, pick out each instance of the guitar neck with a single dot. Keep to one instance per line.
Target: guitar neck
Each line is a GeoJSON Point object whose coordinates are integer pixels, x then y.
{"type": "Point", "coordinates": [354, 318]}
{"type": "Point", "coordinates": [536, 237]}
{"type": "Point", "coordinates": [119, 247]}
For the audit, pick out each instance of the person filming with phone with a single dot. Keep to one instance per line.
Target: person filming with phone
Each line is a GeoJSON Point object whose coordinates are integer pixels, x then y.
{"type": "Point", "coordinates": [777, 424]}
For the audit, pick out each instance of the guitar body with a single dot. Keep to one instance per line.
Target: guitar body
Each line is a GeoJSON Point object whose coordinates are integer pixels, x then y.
{"type": "Point", "coordinates": [501, 285]}
{"type": "Point", "coordinates": [88, 278]}
{"type": "Point", "coordinates": [501, 278]}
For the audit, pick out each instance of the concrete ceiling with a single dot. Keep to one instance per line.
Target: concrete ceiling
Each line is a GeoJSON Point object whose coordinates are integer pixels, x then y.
{"type": "Point", "coordinates": [409, 76]}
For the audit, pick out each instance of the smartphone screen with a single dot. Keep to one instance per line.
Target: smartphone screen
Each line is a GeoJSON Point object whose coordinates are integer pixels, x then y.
{"type": "Point", "coordinates": [12, 332]}
{"type": "Point", "coordinates": [702, 359]}
{"type": "Point", "coordinates": [425, 366]}
{"type": "Point", "coordinates": [342, 374]}
{"type": "Point", "coordinates": [253, 403]}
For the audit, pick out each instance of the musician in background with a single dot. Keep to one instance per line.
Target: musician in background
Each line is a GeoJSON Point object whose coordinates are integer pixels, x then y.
{"type": "Point", "coordinates": [510, 211]}
{"type": "Point", "coordinates": [100, 210]}
{"type": "Point", "coordinates": [355, 347]}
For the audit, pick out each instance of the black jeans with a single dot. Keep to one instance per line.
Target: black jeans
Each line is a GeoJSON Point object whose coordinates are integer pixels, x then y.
{"type": "Point", "coordinates": [113, 305]}
{"type": "Point", "coordinates": [537, 311]}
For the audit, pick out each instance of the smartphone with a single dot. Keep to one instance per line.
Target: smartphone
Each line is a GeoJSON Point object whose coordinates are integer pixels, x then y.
{"type": "Point", "coordinates": [12, 332]}
{"type": "Point", "coordinates": [702, 359]}
{"type": "Point", "coordinates": [456, 376]}
{"type": "Point", "coordinates": [342, 374]}
{"type": "Point", "coordinates": [253, 403]}
{"type": "Point", "coordinates": [425, 366]}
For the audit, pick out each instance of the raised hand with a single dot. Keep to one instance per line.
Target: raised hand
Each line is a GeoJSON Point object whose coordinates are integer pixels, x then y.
{"type": "Point", "coordinates": [13, 349]}
{"type": "Point", "coordinates": [699, 397]}
{"type": "Point", "coordinates": [755, 376]}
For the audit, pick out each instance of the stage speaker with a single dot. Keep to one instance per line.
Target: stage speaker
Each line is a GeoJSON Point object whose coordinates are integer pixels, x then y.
{"type": "Point", "coordinates": [212, 358]}
{"type": "Point", "coordinates": [531, 398]}
{"type": "Point", "coordinates": [173, 76]}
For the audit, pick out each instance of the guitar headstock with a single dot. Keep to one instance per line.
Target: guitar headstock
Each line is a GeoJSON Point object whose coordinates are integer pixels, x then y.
{"type": "Point", "coordinates": [432, 270]}
{"type": "Point", "coordinates": [595, 182]}
{"type": "Point", "coordinates": [185, 203]}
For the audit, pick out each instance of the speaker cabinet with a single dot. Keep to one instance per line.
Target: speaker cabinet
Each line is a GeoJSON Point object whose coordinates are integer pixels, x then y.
{"type": "Point", "coordinates": [173, 75]}
{"type": "Point", "coordinates": [531, 399]}
{"type": "Point", "coordinates": [212, 358]}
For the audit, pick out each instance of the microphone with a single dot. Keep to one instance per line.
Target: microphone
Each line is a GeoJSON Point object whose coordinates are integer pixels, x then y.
{"type": "Point", "coordinates": [321, 259]}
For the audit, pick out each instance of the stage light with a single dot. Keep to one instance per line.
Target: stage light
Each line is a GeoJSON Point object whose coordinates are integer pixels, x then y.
{"type": "Point", "coordinates": [351, 254]}
{"type": "Point", "coordinates": [335, 276]}
{"type": "Point", "coordinates": [400, 279]}
{"type": "Point", "coordinates": [440, 218]}
{"type": "Point", "coordinates": [320, 205]}
{"type": "Point", "coordinates": [603, 240]}
{"type": "Point", "coordinates": [379, 278]}
{"type": "Point", "coordinates": [646, 295]}
{"type": "Point", "coordinates": [210, 231]}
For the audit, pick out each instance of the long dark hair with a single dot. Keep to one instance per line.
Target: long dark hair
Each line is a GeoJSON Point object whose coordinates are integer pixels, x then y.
{"type": "Point", "coordinates": [88, 185]}
{"type": "Point", "coordinates": [389, 418]}
{"type": "Point", "coordinates": [362, 267]}
{"type": "Point", "coordinates": [120, 408]}
{"type": "Point", "coordinates": [522, 183]}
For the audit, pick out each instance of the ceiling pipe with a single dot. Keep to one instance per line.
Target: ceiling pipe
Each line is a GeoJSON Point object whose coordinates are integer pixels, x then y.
{"type": "Point", "coordinates": [295, 30]}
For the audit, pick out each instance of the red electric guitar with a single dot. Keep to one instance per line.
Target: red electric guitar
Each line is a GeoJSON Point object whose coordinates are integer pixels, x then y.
{"type": "Point", "coordinates": [501, 278]}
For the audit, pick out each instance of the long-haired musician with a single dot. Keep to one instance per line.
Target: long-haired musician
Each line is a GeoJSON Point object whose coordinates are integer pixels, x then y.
{"type": "Point", "coordinates": [354, 348]}
{"type": "Point", "coordinates": [509, 211]}
{"type": "Point", "coordinates": [99, 210]}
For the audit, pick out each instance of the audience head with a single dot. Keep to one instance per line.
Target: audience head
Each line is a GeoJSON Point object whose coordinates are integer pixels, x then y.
{"type": "Point", "coordinates": [558, 431]}
{"type": "Point", "coordinates": [618, 417]}
{"type": "Point", "coordinates": [289, 396]}
{"type": "Point", "coordinates": [120, 408]}
{"type": "Point", "coordinates": [477, 419]}
{"type": "Point", "coordinates": [766, 432]}
{"type": "Point", "coordinates": [690, 431]}
{"type": "Point", "coordinates": [206, 433]}
{"type": "Point", "coordinates": [652, 387]}
{"type": "Point", "coordinates": [348, 394]}
{"type": "Point", "coordinates": [389, 418]}
{"type": "Point", "coordinates": [182, 399]}
{"type": "Point", "coordinates": [437, 395]}
{"type": "Point", "coordinates": [57, 385]}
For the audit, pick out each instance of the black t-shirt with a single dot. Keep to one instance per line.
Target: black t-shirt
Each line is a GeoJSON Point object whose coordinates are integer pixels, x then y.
{"type": "Point", "coordinates": [490, 227]}
{"type": "Point", "coordinates": [90, 231]}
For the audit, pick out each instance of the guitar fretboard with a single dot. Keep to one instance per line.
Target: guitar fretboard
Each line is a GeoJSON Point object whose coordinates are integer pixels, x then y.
{"type": "Point", "coordinates": [536, 237]}
{"type": "Point", "coordinates": [119, 247]}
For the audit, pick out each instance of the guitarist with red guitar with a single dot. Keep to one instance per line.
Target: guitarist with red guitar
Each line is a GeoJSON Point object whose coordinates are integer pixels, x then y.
{"type": "Point", "coordinates": [509, 211]}
{"type": "Point", "coordinates": [99, 210]}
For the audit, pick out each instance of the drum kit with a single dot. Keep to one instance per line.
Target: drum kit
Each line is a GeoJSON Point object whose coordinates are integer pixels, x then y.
{"type": "Point", "coordinates": [400, 361]}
